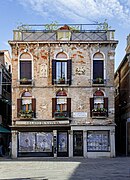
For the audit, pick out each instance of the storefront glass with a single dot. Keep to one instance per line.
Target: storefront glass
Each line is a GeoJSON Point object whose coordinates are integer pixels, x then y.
{"type": "Point", "coordinates": [62, 142]}
{"type": "Point", "coordinates": [35, 141]}
{"type": "Point", "coordinates": [98, 141]}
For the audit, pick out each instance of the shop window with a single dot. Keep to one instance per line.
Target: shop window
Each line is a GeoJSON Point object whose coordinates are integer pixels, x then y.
{"type": "Point", "coordinates": [26, 106]}
{"type": "Point", "coordinates": [99, 105]}
{"type": "Point", "coordinates": [25, 65]}
{"type": "Point", "coordinates": [61, 106]}
{"type": "Point", "coordinates": [98, 141]}
{"type": "Point", "coordinates": [61, 69]}
{"type": "Point", "coordinates": [98, 69]}
{"type": "Point", "coordinates": [35, 142]}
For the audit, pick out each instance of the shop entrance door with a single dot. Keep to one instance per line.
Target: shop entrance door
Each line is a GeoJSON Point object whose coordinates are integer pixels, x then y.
{"type": "Point", "coordinates": [62, 143]}
{"type": "Point", "coordinates": [77, 143]}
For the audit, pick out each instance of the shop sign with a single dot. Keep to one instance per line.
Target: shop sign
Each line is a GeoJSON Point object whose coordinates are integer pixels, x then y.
{"type": "Point", "coordinates": [79, 114]}
{"type": "Point", "coordinates": [42, 122]}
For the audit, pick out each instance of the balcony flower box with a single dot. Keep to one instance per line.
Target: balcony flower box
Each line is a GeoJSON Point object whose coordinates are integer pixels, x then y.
{"type": "Point", "coordinates": [98, 81]}
{"type": "Point", "coordinates": [26, 114]}
{"type": "Point", "coordinates": [99, 112]}
{"type": "Point", "coordinates": [61, 115]}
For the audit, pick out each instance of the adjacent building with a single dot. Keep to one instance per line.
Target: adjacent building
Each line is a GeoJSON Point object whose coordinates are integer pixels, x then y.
{"type": "Point", "coordinates": [5, 99]}
{"type": "Point", "coordinates": [63, 91]}
{"type": "Point", "coordinates": [122, 104]}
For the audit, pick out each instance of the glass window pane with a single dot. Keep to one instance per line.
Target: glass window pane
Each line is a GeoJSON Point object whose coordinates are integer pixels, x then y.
{"type": "Point", "coordinates": [58, 70]}
{"type": "Point", "coordinates": [26, 69]}
{"type": "Point", "coordinates": [26, 142]}
{"type": "Point", "coordinates": [98, 69]}
{"type": "Point", "coordinates": [44, 142]}
{"type": "Point", "coordinates": [98, 141]}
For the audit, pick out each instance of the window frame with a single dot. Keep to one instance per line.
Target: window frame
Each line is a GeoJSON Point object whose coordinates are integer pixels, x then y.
{"type": "Point", "coordinates": [25, 81]}
{"type": "Point", "coordinates": [99, 80]}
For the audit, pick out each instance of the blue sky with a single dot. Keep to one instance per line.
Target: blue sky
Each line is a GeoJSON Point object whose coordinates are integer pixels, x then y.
{"type": "Point", "coordinates": [117, 13]}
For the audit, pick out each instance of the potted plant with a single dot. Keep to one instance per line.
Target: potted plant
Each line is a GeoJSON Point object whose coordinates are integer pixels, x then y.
{"type": "Point", "coordinates": [99, 80]}
{"type": "Point", "coordinates": [62, 80]}
{"type": "Point", "coordinates": [29, 113]}
{"type": "Point", "coordinates": [22, 113]}
{"type": "Point", "coordinates": [24, 80]}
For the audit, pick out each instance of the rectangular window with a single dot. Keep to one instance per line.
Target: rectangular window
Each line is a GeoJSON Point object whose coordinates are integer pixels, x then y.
{"type": "Point", "coordinates": [61, 72]}
{"type": "Point", "coordinates": [25, 69]}
{"type": "Point", "coordinates": [35, 141]}
{"type": "Point", "coordinates": [98, 141]}
{"type": "Point", "coordinates": [61, 107]}
{"type": "Point", "coordinates": [98, 72]}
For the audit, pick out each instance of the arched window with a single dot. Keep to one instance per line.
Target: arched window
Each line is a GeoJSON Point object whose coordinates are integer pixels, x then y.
{"type": "Point", "coordinates": [25, 64]}
{"type": "Point", "coordinates": [26, 105]}
{"type": "Point", "coordinates": [61, 105]}
{"type": "Point", "coordinates": [98, 105]}
{"type": "Point", "coordinates": [61, 69]}
{"type": "Point", "coordinates": [98, 68]}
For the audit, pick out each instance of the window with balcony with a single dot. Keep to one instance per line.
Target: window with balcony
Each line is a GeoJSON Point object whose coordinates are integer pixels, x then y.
{"type": "Point", "coordinates": [25, 65]}
{"type": "Point", "coordinates": [61, 70]}
{"type": "Point", "coordinates": [98, 69]}
{"type": "Point", "coordinates": [61, 106]}
{"type": "Point", "coordinates": [99, 105]}
{"type": "Point", "coordinates": [26, 106]}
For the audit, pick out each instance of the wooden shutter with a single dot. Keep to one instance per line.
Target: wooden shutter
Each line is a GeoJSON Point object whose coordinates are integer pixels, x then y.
{"type": "Point", "coordinates": [69, 106]}
{"type": "Point", "coordinates": [106, 104]}
{"type": "Point", "coordinates": [91, 106]}
{"type": "Point", "coordinates": [19, 106]}
{"type": "Point", "coordinates": [53, 106]}
{"type": "Point", "coordinates": [34, 106]}
{"type": "Point", "coordinates": [53, 70]}
{"type": "Point", "coordinates": [69, 71]}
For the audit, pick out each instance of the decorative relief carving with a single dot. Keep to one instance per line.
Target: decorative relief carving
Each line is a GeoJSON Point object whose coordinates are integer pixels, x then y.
{"type": "Point", "coordinates": [80, 71]}
{"type": "Point", "coordinates": [43, 70]}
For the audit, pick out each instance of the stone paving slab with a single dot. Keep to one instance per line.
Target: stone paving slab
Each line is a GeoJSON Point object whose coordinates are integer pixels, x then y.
{"type": "Point", "coordinates": [65, 168]}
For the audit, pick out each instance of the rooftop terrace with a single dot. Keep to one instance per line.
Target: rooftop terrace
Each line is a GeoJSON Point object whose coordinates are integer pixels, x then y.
{"type": "Point", "coordinates": [62, 32]}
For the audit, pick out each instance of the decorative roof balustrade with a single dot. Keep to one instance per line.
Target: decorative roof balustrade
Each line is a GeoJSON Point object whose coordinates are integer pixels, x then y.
{"type": "Point", "coordinates": [79, 32]}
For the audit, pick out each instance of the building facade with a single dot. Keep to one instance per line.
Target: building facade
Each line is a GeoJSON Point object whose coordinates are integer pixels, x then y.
{"type": "Point", "coordinates": [122, 104]}
{"type": "Point", "coordinates": [5, 99]}
{"type": "Point", "coordinates": [63, 91]}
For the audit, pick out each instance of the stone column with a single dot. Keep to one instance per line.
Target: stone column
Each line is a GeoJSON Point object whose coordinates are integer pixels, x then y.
{"type": "Point", "coordinates": [85, 143]}
{"type": "Point", "coordinates": [112, 142]}
{"type": "Point", "coordinates": [70, 143]}
{"type": "Point", "coordinates": [14, 144]}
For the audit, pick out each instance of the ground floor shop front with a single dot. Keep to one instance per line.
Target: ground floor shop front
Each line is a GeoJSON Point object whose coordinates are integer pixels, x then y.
{"type": "Point", "coordinates": [63, 141]}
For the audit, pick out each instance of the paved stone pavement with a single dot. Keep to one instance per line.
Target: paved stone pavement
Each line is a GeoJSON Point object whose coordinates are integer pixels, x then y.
{"type": "Point", "coordinates": [65, 168]}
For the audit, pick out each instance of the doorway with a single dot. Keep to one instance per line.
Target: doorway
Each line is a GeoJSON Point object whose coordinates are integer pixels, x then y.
{"type": "Point", "coordinates": [77, 143]}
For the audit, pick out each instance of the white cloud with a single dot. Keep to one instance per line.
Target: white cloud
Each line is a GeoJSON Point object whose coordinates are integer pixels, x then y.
{"type": "Point", "coordinates": [81, 10]}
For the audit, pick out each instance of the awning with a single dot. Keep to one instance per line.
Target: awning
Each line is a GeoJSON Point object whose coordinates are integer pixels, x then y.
{"type": "Point", "coordinates": [3, 130]}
